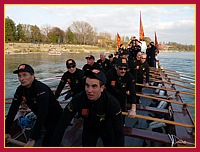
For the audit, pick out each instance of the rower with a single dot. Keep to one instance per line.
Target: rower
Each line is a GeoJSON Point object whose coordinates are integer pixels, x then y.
{"type": "Point", "coordinates": [104, 62]}
{"type": "Point", "coordinates": [142, 73]}
{"type": "Point", "coordinates": [73, 77]}
{"type": "Point", "coordinates": [151, 54]}
{"type": "Point", "coordinates": [42, 102]}
{"type": "Point", "coordinates": [121, 85]}
{"type": "Point", "coordinates": [91, 64]}
{"type": "Point", "coordinates": [101, 113]}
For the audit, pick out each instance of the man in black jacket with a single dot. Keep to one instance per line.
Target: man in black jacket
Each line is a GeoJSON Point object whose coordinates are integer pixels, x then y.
{"type": "Point", "coordinates": [73, 77]}
{"type": "Point", "coordinates": [101, 113]}
{"type": "Point", "coordinates": [151, 54]}
{"type": "Point", "coordinates": [42, 102]}
{"type": "Point", "coordinates": [104, 62]}
{"type": "Point", "coordinates": [121, 84]}
{"type": "Point", "coordinates": [91, 64]}
{"type": "Point", "coordinates": [142, 73]}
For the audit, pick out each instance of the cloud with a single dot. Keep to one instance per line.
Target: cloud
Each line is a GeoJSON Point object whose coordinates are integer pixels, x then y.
{"type": "Point", "coordinates": [171, 22]}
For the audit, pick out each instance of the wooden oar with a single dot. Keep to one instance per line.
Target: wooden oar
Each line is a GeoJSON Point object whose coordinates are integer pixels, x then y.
{"type": "Point", "coordinates": [155, 87]}
{"type": "Point", "coordinates": [16, 142]}
{"type": "Point", "coordinates": [161, 120]}
{"type": "Point", "coordinates": [166, 77]}
{"type": "Point", "coordinates": [178, 72]}
{"type": "Point", "coordinates": [172, 101]}
{"type": "Point", "coordinates": [179, 80]}
{"type": "Point", "coordinates": [157, 80]}
{"type": "Point", "coordinates": [191, 78]}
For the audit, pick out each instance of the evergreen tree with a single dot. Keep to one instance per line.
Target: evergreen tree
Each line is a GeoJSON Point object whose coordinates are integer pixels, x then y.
{"type": "Point", "coordinates": [20, 34]}
{"type": "Point", "coordinates": [69, 36]}
{"type": "Point", "coordinates": [10, 30]}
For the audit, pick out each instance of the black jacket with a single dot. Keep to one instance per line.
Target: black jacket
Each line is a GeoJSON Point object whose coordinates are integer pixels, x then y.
{"type": "Point", "coordinates": [42, 102]}
{"type": "Point", "coordinates": [75, 80]}
{"type": "Point", "coordinates": [89, 67]}
{"type": "Point", "coordinates": [143, 71]}
{"type": "Point", "coordinates": [105, 66]}
{"type": "Point", "coordinates": [122, 88]}
{"type": "Point", "coordinates": [102, 118]}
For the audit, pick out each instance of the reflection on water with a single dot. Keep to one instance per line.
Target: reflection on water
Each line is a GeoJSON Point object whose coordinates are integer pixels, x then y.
{"type": "Point", "coordinates": [46, 66]}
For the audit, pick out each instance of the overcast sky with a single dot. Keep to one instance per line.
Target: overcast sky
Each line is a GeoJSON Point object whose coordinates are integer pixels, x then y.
{"type": "Point", "coordinates": [172, 23]}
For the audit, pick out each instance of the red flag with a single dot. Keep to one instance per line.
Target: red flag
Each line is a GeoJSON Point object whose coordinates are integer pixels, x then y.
{"type": "Point", "coordinates": [141, 29]}
{"type": "Point", "coordinates": [156, 43]}
{"type": "Point", "coordinates": [118, 40]}
{"type": "Point", "coordinates": [156, 40]}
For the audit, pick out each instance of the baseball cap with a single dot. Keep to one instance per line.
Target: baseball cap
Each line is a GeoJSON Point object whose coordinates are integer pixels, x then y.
{"type": "Point", "coordinates": [110, 55]}
{"type": "Point", "coordinates": [90, 57]}
{"type": "Point", "coordinates": [122, 62]}
{"type": "Point", "coordinates": [24, 68]}
{"type": "Point", "coordinates": [70, 62]}
{"type": "Point", "coordinates": [95, 73]}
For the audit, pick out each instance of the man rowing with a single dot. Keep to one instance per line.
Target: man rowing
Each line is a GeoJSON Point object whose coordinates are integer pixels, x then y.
{"type": "Point", "coordinates": [73, 77]}
{"type": "Point", "coordinates": [121, 84]}
{"type": "Point", "coordinates": [42, 102]}
{"type": "Point", "coordinates": [101, 113]}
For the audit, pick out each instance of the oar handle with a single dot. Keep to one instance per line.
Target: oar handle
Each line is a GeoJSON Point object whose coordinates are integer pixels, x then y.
{"type": "Point", "coordinates": [157, 80]}
{"type": "Point", "coordinates": [175, 102]}
{"type": "Point", "coordinates": [161, 120]}
{"type": "Point", "coordinates": [16, 142]}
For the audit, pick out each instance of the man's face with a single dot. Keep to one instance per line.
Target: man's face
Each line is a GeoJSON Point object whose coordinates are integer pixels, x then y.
{"type": "Point", "coordinates": [90, 61]}
{"type": "Point", "coordinates": [26, 79]}
{"type": "Point", "coordinates": [143, 58]}
{"type": "Point", "coordinates": [71, 68]}
{"type": "Point", "coordinates": [102, 57]}
{"type": "Point", "coordinates": [121, 70]}
{"type": "Point", "coordinates": [93, 89]}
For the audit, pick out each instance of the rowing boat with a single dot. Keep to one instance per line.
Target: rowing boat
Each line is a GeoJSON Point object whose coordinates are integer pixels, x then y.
{"type": "Point", "coordinates": [162, 119]}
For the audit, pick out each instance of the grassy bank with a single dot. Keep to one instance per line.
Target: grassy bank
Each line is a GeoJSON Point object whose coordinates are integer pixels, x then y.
{"type": "Point", "coordinates": [12, 48]}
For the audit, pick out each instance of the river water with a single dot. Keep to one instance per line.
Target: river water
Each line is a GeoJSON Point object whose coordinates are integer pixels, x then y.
{"type": "Point", "coordinates": [47, 66]}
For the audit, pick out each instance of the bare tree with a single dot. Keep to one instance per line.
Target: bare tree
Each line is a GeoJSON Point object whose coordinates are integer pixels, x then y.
{"type": "Point", "coordinates": [45, 29]}
{"type": "Point", "coordinates": [83, 32]}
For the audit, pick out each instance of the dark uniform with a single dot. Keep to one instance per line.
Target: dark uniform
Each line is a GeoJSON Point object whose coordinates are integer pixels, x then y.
{"type": "Point", "coordinates": [122, 88]}
{"type": "Point", "coordinates": [102, 118]}
{"type": "Point", "coordinates": [105, 65]}
{"type": "Point", "coordinates": [142, 72]}
{"type": "Point", "coordinates": [42, 102]}
{"type": "Point", "coordinates": [75, 80]}
{"type": "Point", "coordinates": [136, 49]}
{"type": "Point", "coordinates": [91, 67]}
{"type": "Point", "coordinates": [112, 60]}
{"type": "Point", "coordinates": [151, 54]}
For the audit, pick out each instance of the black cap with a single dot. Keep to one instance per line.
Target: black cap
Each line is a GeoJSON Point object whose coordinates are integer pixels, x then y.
{"type": "Point", "coordinates": [90, 57]}
{"type": "Point", "coordinates": [95, 73]}
{"type": "Point", "coordinates": [24, 68]}
{"type": "Point", "coordinates": [70, 62]}
{"type": "Point", "coordinates": [122, 62]}
{"type": "Point", "coordinates": [110, 55]}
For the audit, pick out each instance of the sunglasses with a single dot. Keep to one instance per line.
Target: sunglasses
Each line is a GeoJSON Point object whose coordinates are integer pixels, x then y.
{"type": "Point", "coordinates": [123, 69]}
{"type": "Point", "coordinates": [143, 58]}
{"type": "Point", "coordinates": [69, 67]}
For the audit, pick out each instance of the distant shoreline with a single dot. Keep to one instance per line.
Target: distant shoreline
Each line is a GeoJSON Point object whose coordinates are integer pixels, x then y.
{"type": "Point", "coordinates": [26, 48]}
